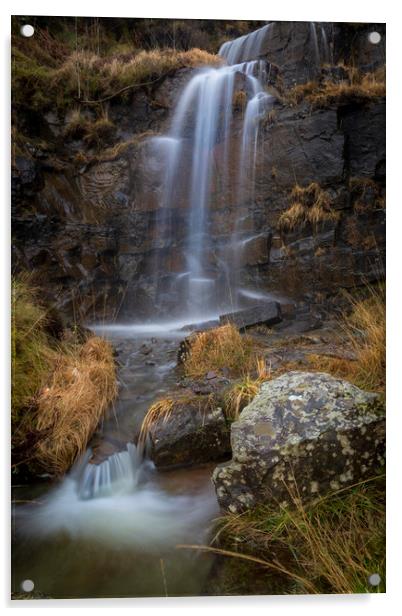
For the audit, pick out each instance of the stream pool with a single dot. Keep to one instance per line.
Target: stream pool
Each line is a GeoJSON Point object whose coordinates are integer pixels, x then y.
{"type": "Point", "coordinates": [122, 541]}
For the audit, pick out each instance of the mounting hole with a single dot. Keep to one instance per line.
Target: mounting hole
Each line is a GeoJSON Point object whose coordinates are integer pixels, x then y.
{"type": "Point", "coordinates": [27, 30]}
{"type": "Point", "coordinates": [374, 579]}
{"type": "Point", "coordinates": [374, 38]}
{"type": "Point", "coordinates": [27, 585]}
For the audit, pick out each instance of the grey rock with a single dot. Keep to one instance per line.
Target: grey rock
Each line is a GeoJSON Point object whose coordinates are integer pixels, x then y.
{"type": "Point", "coordinates": [194, 433]}
{"type": "Point", "coordinates": [305, 429]}
{"type": "Point", "coordinates": [269, 314]}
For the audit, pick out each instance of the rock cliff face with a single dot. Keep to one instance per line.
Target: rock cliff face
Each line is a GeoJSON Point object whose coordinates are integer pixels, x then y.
{"type": "Point", "coordinates": [87, 219]}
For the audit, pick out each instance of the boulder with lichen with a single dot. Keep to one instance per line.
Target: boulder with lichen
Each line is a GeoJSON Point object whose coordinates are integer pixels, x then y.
{"type": "Point", "coordinates": [303, 435]}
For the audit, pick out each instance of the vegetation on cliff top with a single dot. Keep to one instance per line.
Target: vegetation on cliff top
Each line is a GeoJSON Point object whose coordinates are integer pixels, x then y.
{"type": "Point", "coordinates": [60, 388]}
{"type": "Point", "coordinates": [72, 60]}
{"type": "Point", "coordinates": [83, 77]}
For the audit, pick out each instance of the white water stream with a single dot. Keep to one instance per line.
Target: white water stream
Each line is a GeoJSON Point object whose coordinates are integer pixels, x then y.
{"type": "Point", "coordinates": [122, 505]}
{"type": "Point", "coordinates": [205, 128]}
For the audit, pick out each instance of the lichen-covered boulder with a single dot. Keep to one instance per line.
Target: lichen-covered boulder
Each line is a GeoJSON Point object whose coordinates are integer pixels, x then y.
{"type": "Point", "coordinates": [194, 432]}
{"type": "Point", "coordinates": [304, 430]}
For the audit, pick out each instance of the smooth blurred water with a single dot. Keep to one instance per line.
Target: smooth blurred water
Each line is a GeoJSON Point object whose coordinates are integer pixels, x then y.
{"type": "Point", "coordinates": [112, 544]}
{"type": "Point", "coordinates": [204, 127]}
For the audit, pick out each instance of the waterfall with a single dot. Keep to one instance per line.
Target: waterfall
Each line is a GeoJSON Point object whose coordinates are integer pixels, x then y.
{"type": "Point", "coordinates": [210, 155]}
{"type": "Point", "coordinates": [322, 50]}
{"type": "Point", "coordinates": [244, 48]}
{"type": "Point", "coordinates": [119, 473]}
{"type": "Point", "coordinates": [120, 502]}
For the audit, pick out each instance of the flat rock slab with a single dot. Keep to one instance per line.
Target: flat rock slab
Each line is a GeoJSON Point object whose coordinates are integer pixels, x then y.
{"type": "Point", "coordinates": [267, 314]}
{"type": "Point", "coordinates": [306, 430]}
{"type": "Point", "coordinates": [195, 432]}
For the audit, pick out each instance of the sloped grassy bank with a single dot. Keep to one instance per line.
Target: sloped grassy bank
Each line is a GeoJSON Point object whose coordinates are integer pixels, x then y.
{"type": "Point", "coordinates": [333, 545]}
{"type": "Point", "coordinates": [63, 382]}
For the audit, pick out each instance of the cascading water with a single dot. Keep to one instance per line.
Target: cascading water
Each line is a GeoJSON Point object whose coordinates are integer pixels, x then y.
{"type": "Point", "coordinates": [322, 50]}
{"type": "Point", "coordinates": [209, 159]}
{"type": "Point", "coordinates": [117, 474]}
{"type": "Point", "coordinates": [244, 48]}
{"type": "Point", "coordinates": [125, 487]}
{"type": "Point", "coordinates": [122, 502]}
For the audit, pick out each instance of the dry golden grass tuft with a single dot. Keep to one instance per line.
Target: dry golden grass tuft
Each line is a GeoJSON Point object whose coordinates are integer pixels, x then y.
{"type": "Point", "coordinates": [70, 406]}
{"type": "Point", "coordinates": [218, 348]}
{"type": "Point", "coordinates": [46, 81]}
{"type": "Point", "coordinates": [355, 85]}
{"type": "Point", "coordinates": [95, 132]}
{"type": "Point", "coordinates": [364, 332]}
{"type": "Point", "coordinates": [332, 545]}
{"type": "Point", "coordinates": [243, 392]}
{"type": "Point", "coordinates": [160, 410]}
{"type": "Point", "coordinates": [60, 390]}
{"type": "Point", "coordinates": [90, 77]}
{"type": "Point", "coordinates": [309, 205]}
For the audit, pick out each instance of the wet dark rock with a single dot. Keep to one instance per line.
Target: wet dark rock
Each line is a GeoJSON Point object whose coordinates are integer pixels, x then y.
{"type": "Point", "coordinates": [194, 433]}
{"type": "Point", "coordinates": [203, 326]}
{"type": "Point", "coordinates": [287, 44]}
{"type": "Point", "coordinates": [210, 385]}
{"type": "Point", "coordinates": [145, 349]}
{"type": "Point", "coordinates": [93, 230]}
{"type": "Point", "coordinates": [267, 314]}
{"type": "Point", "coordinates": [306, 429]}
{"type": "Point", "coordinates": [299, 326]}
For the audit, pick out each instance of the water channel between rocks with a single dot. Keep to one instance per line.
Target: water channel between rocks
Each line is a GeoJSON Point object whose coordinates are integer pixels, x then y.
{"type": "Point", "coordinates": [120, 542]}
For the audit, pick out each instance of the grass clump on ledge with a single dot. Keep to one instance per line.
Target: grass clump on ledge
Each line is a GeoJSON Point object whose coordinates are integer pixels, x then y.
{"type": "Point", "coordinates": [159, 410]}
{"type": "Point", "coordinates": [60, 390]}
{"type": "Point", "coordinates": [244, 391]}
{"type": "Point", "coordinates": [355, 85]}
{"type": "Point", "coordinates": [220, 348]}
{"type": "Point", "coordinates": [363, 330]}
{"type": "Point", "coordinates": [309, 205]}
{"type": "Point", "coordinates": [332, 545]}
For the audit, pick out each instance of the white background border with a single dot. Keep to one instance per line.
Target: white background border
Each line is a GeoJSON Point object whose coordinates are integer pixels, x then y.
{"type": "Point", "coordinates": [303, 10]}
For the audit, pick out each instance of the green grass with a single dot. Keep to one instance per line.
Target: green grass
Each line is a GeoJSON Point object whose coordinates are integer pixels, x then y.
{"type": "Point", "coordinates": [30, 353]}
{"type": "Point", "coordinates": [330, 546]}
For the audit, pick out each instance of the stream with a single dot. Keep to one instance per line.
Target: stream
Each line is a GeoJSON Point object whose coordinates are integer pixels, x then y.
{"type": "Point", "coordinates": [110, 529]}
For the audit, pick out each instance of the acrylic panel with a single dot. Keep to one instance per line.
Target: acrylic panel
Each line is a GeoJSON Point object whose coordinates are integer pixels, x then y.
{"type": "Point", "coordinates": [198, 307]}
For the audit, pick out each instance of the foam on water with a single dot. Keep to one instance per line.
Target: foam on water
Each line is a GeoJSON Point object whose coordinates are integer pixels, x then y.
{"type": "Point", "coordinates": [118, 502]}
